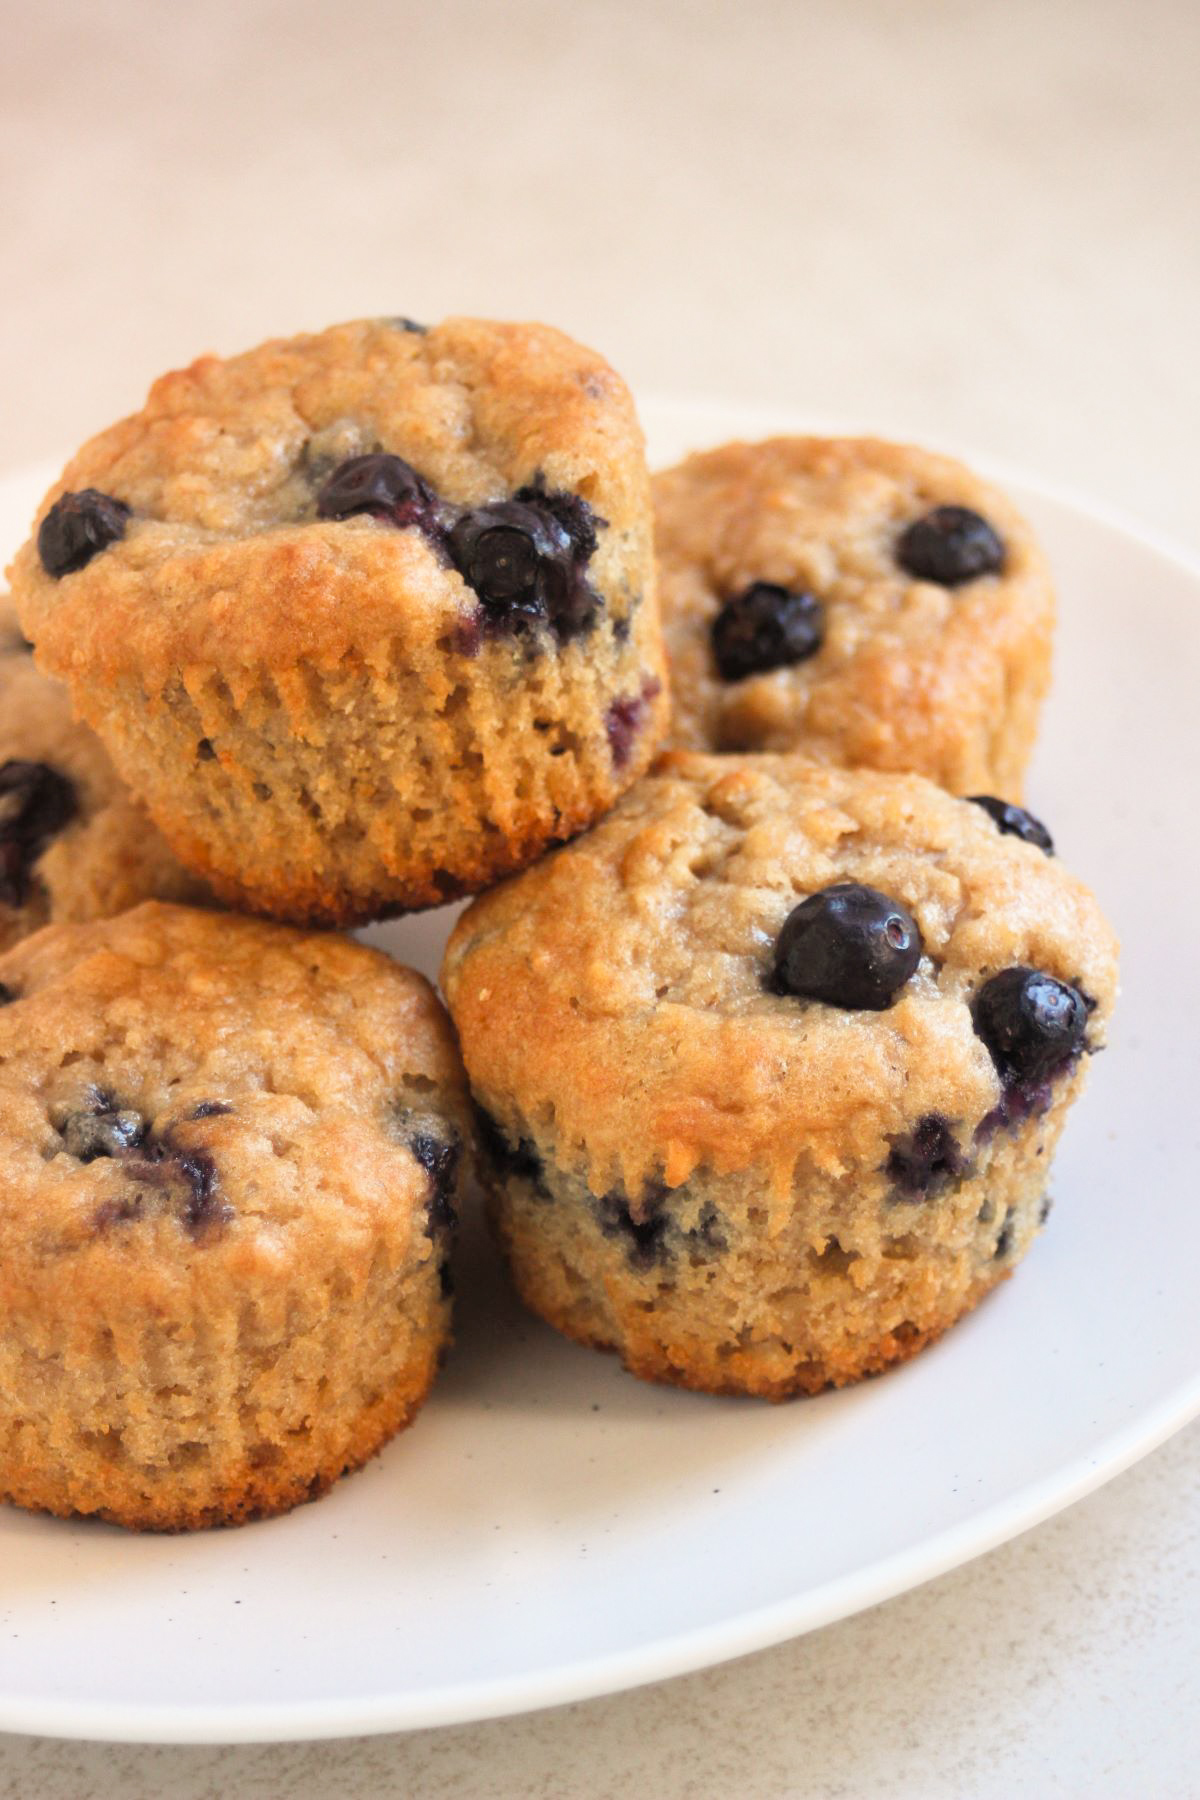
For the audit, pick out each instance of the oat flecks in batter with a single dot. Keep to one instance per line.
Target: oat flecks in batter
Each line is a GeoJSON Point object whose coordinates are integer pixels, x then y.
{"type": "Point", "coordinates": [745, 1190]}
{"type": "Point", "coordinates": [231, 1159]}
{"type": "Point", "coordinates": [357, 644]}
{"type": "Point", "coordinates": [935, 605]}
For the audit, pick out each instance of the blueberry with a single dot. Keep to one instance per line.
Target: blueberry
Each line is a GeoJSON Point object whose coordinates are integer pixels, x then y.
{"type": "Point", "coordinates": [1032, 1024]}
{"type": "Point", "coordinates": [644, 1238]}
{"type": "Point", "coordinates": [766, 627]}
{"type": "Point", "coordinates": [439, 1158]}
{"type": "Point", "coordinates": [400, 323]}
{"type": "Point", "coordinates": [1014, 821]}
{"type": "Point", "coordinates": [1004, 1241]}
{"type": "Point", "coordinates": [571, 511]}
{"type": "Point", "coordinates": [77, 527]}
{"type": "Point", "coordinates": [651, 1239]}
{"type": "Point", "coordinates": [203, 1206]}
{"type": "Point", "coordinates": [950, 545]}
{"type": "Point", "coordinates": [848, 945]}
{"type": "Point", "coordinates": [189, 1178]}
{"type": "Point", "coordinates": [520, 1160]}
{"type": "Point", "coordinates": [107, 1131]}
{"type": "Point", "coordinates": [210, 1109]}
{"type": "Point", "coordinates": [927, 1161]}
{"type": "Point", "coordinates": [385, 486]}
{"type": "Point", "coordinates": [36, 801]}
{"type": "Point", "coordinates": [524, 559]}
{"type": "Point", "coordinates": [624, 720]}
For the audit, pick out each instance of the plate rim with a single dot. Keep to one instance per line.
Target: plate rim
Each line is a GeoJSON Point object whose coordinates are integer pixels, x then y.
{"type": "Point", "coordinates": [761, 1627]}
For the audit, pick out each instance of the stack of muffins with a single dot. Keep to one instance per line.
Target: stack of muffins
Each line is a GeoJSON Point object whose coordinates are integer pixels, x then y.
{"type": "Point", "coordinates": [761, 1071]}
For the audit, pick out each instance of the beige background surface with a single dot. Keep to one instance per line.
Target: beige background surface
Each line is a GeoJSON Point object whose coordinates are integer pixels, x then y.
{"type": "Point", "coordinates": [973, 223]}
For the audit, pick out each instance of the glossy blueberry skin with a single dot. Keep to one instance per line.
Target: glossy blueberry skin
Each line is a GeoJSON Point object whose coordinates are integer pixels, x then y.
{"type": "Point", "coordinates": [848, 945]}
{"type": "Point", "coordinates": [105, 1131]}
{"type": "Point", "coordinates": [950, 546]}
{"type": "Point", "coordinates": [1014, 821]}
{"type": "Point", "coordinates": [382, 485]}
{"type": "Point", "coordinates": [439, 1159]}
{"type": "Point", "coordinates": [524, 559]}
{"type": "Point", "coordinates": [766, 627]}
{"type": "Point", "coordinates": [926, 1162]}
{"type": "Point", "coordinates": [1032, 1024]}
{"type": "Point", "coordinates": [77, 527]}
{"type": "Point", "coordinates": [36, 802]}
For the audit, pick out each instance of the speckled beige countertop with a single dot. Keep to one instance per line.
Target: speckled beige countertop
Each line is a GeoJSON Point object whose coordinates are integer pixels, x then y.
{"type": "Point", "coordinates": [975, 223]}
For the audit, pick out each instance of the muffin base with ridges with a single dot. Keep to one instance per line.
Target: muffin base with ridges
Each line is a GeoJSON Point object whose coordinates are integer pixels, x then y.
{"type": "Point", "coordinates": [236, 650]}
{"type": "Point", "coordinates": [884, 1304]}
{"type": "Point", "coordinates": [246, 1475]}
{"type": "Point", "coordinates": [213, 1320]}
{"type": "Point", "coordinates": [489, 758]}
{"type": "Point", "coordinates": [737, 1186]}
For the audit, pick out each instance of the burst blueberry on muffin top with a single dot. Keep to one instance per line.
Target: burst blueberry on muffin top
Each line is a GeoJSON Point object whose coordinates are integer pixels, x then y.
{"type": "Point", "coordinates": [774, 1060]}
{"type": "Point", "coordinates": [367, 617]}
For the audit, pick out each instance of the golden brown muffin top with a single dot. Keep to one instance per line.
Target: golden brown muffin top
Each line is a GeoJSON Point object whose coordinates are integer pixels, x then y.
{"type": "Point", "coordinates": [223, 560]}
{"type": "Point", "coordinates": [901, 657]}
{"type": "Point", "coordinates": [191, 1097]}
{"type": "Point", "coordinates": [616, 998]}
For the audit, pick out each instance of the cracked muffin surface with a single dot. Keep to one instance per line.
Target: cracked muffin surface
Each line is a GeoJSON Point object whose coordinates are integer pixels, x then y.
{"type": "Point", "coordinates": [230, 1156]}
{"type": "Point", "coordinates": [367, 617]}
{"type": "Point", "coordinates": [74, 843]}
{"type": "Point", "coordinates": [864, 603]}
{"type": "Point", "coordinates": [738, 1185]}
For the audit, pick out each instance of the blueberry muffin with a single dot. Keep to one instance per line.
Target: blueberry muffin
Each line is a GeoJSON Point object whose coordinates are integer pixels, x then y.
{"type": "Point", "coordinates": [864, 603]}
{"type": "Point", "coordinates": [74, 844]}
{"type": "Point", "coordinates": [230, 1156]}
{"type": "Point", "coordinates": [367, 618]}
{"type": "Point", "coordinates": [773, 1063]}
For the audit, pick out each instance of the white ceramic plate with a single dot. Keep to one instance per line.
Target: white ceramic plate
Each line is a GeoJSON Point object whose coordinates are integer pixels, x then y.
{"type": "Point", "coordinates": [553, 1529]}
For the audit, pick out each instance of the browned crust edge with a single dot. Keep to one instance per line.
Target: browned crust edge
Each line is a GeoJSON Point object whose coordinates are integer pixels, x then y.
{"type": "Point", "coordinates": [417, 890]}
{"type": "Point", "coordinates": [674, 1367]}
{"type": "Point", "coordinates": [243, 1495]}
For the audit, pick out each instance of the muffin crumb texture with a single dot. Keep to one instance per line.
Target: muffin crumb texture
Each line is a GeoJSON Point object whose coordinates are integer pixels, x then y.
{"type": "Point", "coordinates": [738, 1186]}
{"type": "Point", "coordinates": [231, 1157]}
{"type": "Point", "coordinates": [865, 603]}
{"type": "Point", "coordinates": [367, 618]}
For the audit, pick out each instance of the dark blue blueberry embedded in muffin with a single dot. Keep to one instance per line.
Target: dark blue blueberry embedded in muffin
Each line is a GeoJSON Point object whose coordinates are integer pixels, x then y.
{"type": "Point", "coordinates": [384, 486]}
{"type": "Point", "coordinates": [928, 1161]}
{"type": "Point", "coordinates": [653, 1236]}
{"type": "Point", "coordinates": [950, 545]}
{"type": "Point", "coordinates": [105, 1129]}
{"type": "Point", "coordinates": [526, 560]}
{"type": "Point", "coordinates": [766, 627]}
{"type": "Point", "coordinates": [77, 527]}
{"type": "Point", "coordinates": [439, 1158]}
{"type": "Point", "coordinates": [1014, 821]}
{"type": "Point", "coordinates": [848, 945]}
{"type": "Point", "coordinates": [1033, 1025]}
{"type": "Point", "coordinates": [36, 802]}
